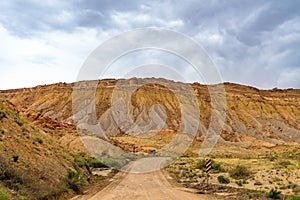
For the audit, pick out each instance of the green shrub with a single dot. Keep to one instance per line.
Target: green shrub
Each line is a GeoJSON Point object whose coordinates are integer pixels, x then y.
{"type": "Point", "coordinates": [19, 121]}
{"type": "Point", "coordinates": [80, 161]}
{"type": "Point", "coordinates": [239, 172]}
{"type": "Point", "coordinates": [11, 177]}
{"type": "Point", "coordinates": [86, 161]}
{"type": "Point", "coordinates": [97, 164]}
{"type": "Point", "coordinates": [257, 183]}
{"type": "Point", "coordinates": [296, 189]}
{"type": "Point", "coordinates": [3, 114]}
{"type": "Point", "coordinates": [215, 166]}
{"type": "Point", "coordinates": [273, 157]}
{"type": "Point", "coordinates": [223, 180]}
{"type": "Point", "coordinates": [74, 181]}
{"type": "Point", "coordinates": [190, 175]}
{"type": "Point", "coordinates": [239, 183]}
{"type": "Point", "coordinates": [285, 163]}
{"type": "Point", "coordinates": [201, 164]}
{"type": "Point", "coordinates": [256, 195]}
{"type": "Point", "coordinates": [273, 194]}
{"type": "Point", "coordinates": [276, 179]}
{"type": "Point", "coordinates": [294, 197]}
{"type": "Point", "coordinates": [3, 194]}
{"type": "Point", "coordinates": [39, 140]}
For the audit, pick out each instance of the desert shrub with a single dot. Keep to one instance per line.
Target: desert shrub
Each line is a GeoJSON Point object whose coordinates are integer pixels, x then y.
{"type": "Point", "coordinates": [97, 164]}
{"type": "Point", "coordinates": [80, 161]}
{"type": "Point", "coordinates": [239, 172]}
{"type": "Point", "coordinates": [190, 175]}
{"type": "Point", "coordinates": [115, 163]}
{"type": "Point", "coordinates": [296, 189]}
{"type": "Point", "coordinates": [215, 166]}
{"type": "Point", "coordinates": [201, 164]}
{"type": "Point", "coordinates": [239, 183]}
{"type": "Point", "coordinates": [74, 181]}
{"type": "Point", "coordinates": [294, 197]}
{"type": "Point", "coordinates": [283, 187]}
{"type": "Point", "coordinates": [3, 114]}
{"type": "Point", "coordinates": [3, 194]}
{"type": "Point", "coordinates": [276, 179]}
{"type": "Point", "coordinates": [255, 195]}
{"type": "Point", "coordinates": [8, 174]}
{"type": "Point", "coordinates": [86, 161]}
{"type": "Point", "coordinates": [257, 183]}
{"type": "Point", "coordinates": [39, 140]}
{"type": "Point", "coordinates": [223, 180]}
{"type": "Point", "coordinates": [19, 121]}
{"type": "Point", "coordinates": [15, 158]}
{"type": "Point", "coordinates": [273, 194]}
{"type": "Point", "coordinates": [273, 157]}
{"type": "Point", "coordinates": [285, 163]}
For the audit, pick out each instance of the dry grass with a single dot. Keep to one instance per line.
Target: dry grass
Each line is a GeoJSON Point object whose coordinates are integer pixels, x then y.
{"type": "Point", "coordinates": [262, 174]}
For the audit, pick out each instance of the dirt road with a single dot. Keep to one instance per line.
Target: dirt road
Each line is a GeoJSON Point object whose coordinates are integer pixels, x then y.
{"type": "Point", "coordinates": [136, 185]}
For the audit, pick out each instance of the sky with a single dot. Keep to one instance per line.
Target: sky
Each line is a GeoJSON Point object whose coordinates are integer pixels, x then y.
{"type": "Point", "coordinates": [253, 43]}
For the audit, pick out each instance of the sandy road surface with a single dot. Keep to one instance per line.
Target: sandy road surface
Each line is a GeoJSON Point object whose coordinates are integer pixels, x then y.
{"type": "Point", "coordinates": [135, 185]}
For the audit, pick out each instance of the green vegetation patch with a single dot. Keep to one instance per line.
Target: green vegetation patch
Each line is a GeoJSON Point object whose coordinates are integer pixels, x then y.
{"type": "Point", "coordinates": [240, 172]}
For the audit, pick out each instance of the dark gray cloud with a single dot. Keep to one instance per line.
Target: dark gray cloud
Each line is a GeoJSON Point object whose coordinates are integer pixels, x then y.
{"type": "Point", "coordinates": [252, 42]}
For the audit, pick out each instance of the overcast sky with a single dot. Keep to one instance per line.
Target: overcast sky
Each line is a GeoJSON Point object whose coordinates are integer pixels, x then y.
{"type": "Point", "coordinates": [251, 42]}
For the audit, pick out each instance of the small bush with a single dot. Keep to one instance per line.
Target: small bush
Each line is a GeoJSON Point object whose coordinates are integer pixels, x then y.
{"type": "Point", "coordinates": [86, 161]}
{"type": "Point", "coordinates": [74, 181]}
{"type": "Point", "coordinates": [19, 121]}
{"type": "Point", "coordinates": [273, 194]}
{"type": "Point", "coordinates": [190, 175]}
{"type": "Point", "coordinates": [294, 197]}
{"type": "Point", "coordinates": [97, 164]}
{"type": "Point", "coordinates": [239, 183]}
{"type": "Point", "coordinates": [201, 164]}
{"type": "Point", "coordinates": [3, 114]}
{"type": "Point", "coordinates": [3, 194]}
{"type": "Point", "coordinates": [39, 140]}
{"type": "Point", "coordinates": [256, 195]}
{"type": "Point", "coordinates": [276, 179]}
{"type": "Point", "coordinates": [223, 180]}
{"type": "Point", "coordinates": [15, 158]}
{"type": "Point", "coordinates": [285, 163]}
{"type": "Point", "coordinates": [9, 175]}
{"type": "Point", "coordinates": [240, 172]}
{"type": "Point", "coordinates": [257, 183]}
{"type": "Point", "coordinates": [215, 166]}
{"type": "Point", "coordinates": [273, 158]}
{"type": "Point", "coordinates": [296, 189]}
{"type": "Point", "coordinates": [80, 161]}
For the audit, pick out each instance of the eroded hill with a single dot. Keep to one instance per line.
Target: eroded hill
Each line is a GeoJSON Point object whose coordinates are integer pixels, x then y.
{"type": "Point", "coordinates": [40, 157]}
{"type": "Point", "coordinates": [253, 117]}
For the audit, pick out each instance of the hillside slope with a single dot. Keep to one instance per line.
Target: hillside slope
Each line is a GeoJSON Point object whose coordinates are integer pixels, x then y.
{"type": "Point", "coordinates": [262, 118]}
{"type": "Point", "coordinates": [253, 117]}
{"type": "Point", "coordinates": [36, 153]}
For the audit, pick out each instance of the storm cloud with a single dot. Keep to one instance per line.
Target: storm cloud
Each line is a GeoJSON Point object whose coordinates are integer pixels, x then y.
{"type": "Point", "coordinates": [251, 42]}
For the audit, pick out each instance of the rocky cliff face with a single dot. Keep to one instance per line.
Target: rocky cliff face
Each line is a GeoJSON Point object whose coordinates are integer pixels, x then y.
{"type": "Point", "coordinates": [252, 116]}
